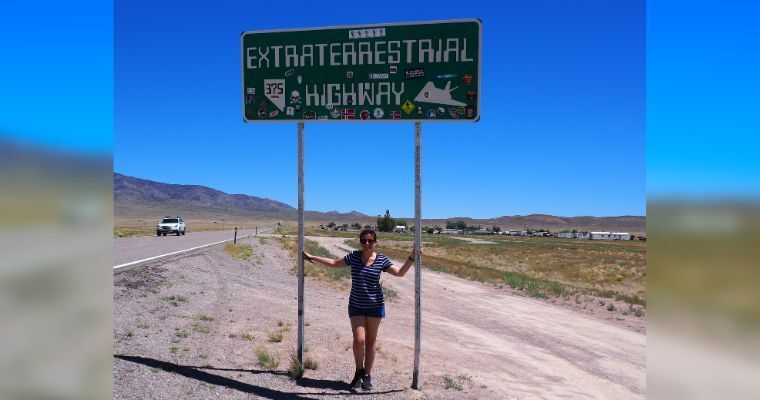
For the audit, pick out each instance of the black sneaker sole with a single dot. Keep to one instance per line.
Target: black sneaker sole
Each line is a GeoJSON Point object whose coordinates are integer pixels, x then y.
{"type": "Point", "coordinates": [356, 383]}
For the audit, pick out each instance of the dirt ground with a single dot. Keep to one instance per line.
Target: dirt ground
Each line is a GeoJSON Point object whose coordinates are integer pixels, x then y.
{"type": "Point", "coordinates": [190, 328]}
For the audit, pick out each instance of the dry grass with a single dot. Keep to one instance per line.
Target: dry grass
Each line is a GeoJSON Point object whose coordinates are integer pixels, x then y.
{"type": "Point", "coordinates": [295, 371]}
{"type": "Point", "coordinates": [541, 267]}
{"type": "Point", "coordinates": [128, 227]}
{"type": "Point", "coordinates": [450, 383]}
{"type": "Point", "coordinates": [275, 337]}
{"type": "Point", "coordinates": [200, 327]}
{"type": "Point", "coordinates": [239, 251]}
{"type": "Point", "coordinates": [175, 300]}
{"type": "Point", "coordinates": [266, 359]}
{"type": "Point", "coordinates": [310, 363]}
{"type": "Point", "coordinates": [315, 270]}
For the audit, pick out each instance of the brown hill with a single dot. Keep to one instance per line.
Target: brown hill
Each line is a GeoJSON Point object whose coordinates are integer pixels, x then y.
{"type": "Point", "coordinates": [142, 198]}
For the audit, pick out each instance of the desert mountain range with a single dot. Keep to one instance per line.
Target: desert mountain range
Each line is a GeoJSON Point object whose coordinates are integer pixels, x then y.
{"type": "Point", "coordinates": [141, 198]}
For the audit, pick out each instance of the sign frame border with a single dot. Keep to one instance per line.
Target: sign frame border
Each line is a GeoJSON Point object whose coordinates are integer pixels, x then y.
{"type": "Point", "coordinates": [376, 25]}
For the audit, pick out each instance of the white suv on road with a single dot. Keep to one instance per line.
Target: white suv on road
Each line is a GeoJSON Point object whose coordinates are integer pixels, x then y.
{"type": "Point", "coordinates": [171, 225]}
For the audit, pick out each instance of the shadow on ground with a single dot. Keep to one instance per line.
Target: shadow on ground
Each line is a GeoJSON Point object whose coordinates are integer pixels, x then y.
{"type": "Point", "coordinates": [338, 386]}
{"type": "Point", "coordinates": [195, 372]}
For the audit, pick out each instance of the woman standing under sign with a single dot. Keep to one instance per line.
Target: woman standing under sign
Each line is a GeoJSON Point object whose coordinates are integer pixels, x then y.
{"type": "Point", "coordinates": [366, 305]}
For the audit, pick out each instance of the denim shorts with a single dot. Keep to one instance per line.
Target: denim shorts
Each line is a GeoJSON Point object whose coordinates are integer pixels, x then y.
{"type": "Point", "coordinates": [377, 312]}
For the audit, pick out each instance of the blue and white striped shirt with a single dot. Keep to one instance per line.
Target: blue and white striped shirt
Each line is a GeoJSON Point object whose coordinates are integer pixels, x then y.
{"type": "Point", "coordinates": [366, 291]}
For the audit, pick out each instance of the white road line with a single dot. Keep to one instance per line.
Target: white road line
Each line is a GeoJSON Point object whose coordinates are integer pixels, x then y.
{"type": "Point", "coordinates": [172, 253]}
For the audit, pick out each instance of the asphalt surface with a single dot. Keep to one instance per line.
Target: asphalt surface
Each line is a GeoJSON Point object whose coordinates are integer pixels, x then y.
{"type": "Point", "coordinates": [129, 249]}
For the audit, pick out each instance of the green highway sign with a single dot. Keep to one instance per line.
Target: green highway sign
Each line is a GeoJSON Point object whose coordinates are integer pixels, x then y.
{"type": "Point", "coordinates": [417, 71]}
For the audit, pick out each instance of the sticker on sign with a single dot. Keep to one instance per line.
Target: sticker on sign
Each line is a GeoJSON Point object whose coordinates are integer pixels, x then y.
{"type": "Point", "coordinates": [274, 89]}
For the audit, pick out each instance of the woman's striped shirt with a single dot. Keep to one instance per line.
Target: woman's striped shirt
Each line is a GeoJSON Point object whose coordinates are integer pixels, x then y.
{"type": "Point", "coordinates": [366, 291]}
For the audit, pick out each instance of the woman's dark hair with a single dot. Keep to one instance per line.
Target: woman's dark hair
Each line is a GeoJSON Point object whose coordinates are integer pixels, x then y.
{"type": "Point", "coordinates": [369, 232]}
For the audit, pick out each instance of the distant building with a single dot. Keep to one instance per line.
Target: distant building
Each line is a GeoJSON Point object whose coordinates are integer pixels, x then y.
{"type": "Point", "coordinates": [609, 236]}
{"type": "Point", "coordinates": [581, 235]}
{"type": "Point", "coordinates": [572, 235]}
{"type": "Point", "coordinates": [620, 236]}
{"type": "Point", "coordinates": [452, 231]}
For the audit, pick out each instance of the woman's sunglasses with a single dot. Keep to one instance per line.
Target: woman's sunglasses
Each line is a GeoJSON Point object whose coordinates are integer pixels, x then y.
{"type": "Point", "coordinates": [366, 241]}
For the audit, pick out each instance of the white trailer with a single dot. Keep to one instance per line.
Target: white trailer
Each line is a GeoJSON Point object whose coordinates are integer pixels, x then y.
{"type": "Point", "coordinates": [600, 235]}
{"type": "Point", "coordinates": [620, 236]}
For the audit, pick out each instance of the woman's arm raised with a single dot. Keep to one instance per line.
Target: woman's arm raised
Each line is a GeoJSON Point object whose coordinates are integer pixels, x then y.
{"type": "Point", "coordinates": [338, 262]}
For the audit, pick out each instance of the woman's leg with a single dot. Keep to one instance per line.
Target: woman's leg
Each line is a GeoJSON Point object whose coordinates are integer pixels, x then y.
{"type": "Point", "coordinates": [372, 326]}
{"type": "Point", "coordinates": [359, 331]}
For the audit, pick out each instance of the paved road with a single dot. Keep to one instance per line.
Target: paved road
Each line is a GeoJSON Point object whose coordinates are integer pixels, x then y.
{"type": "Point", "coordinates": [130, 249]}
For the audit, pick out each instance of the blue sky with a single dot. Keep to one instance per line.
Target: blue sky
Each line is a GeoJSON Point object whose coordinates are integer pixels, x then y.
{"type": "Point", "coordinates": [702, 100]}
{"type": "Point", "coordinates": [56, 74]}
{"type": "Point", "coordinates": [561, 130]}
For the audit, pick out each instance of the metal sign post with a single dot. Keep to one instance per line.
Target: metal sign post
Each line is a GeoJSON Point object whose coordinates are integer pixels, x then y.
{"type": "Point", "coordinates": [300, 244]}
{"type": "Point", "coordinates": [417, 258]}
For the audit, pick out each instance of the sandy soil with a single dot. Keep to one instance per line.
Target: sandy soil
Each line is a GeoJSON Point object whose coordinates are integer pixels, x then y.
{"type": "Point", "coordinates": [491, 342]}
